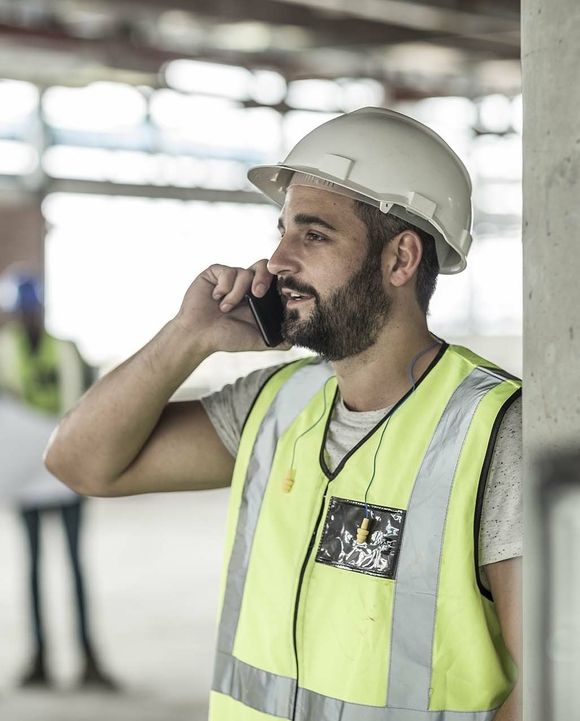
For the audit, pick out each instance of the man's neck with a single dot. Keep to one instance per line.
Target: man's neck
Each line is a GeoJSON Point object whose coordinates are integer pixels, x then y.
{"type": "Point", "coordinates": [379, 376]}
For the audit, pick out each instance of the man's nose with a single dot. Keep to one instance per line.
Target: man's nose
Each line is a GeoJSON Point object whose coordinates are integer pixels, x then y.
{"type": "Point", "coordinates": [284, 260]}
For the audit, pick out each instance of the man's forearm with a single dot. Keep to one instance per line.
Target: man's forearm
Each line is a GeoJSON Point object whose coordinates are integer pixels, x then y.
{"type": "Point", "coordinates": [101, 436]}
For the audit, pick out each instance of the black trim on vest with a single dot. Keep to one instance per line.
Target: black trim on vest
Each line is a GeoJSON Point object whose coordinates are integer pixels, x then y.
{"type": "Point", "coordinates": [264, 384]}
{"type": "Point", "coordinates": [481, 488]}
{"type": "Point", "coordinates": [332, 475]}
{"type": "Point", "coordinates": [297, 599]}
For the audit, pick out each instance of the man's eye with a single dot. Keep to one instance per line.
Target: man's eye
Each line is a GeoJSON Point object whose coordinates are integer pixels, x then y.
{"type": "Point", "coordinates": [311, 235]}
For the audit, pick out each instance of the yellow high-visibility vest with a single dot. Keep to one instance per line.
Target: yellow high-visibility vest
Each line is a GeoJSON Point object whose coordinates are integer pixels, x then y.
{"type": "Point", "coordinates": [50, 379]}
{"type": "Point", "coordinates": [316, 626]}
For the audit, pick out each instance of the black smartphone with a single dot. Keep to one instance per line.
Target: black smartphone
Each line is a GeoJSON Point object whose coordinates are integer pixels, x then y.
{"type": "Point", "coordinates": [268, 313]}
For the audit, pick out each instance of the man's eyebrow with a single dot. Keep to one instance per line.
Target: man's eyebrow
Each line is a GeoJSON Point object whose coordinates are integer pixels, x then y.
{"type": "Point", "coordinates": [305, 219]}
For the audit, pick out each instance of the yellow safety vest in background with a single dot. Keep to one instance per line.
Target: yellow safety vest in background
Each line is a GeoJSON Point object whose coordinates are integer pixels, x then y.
{"type": "Point", "coordinates": [50, 378]}
{"type": "Point", "coordinates": [316, 627]}
{"type": "Point", "coordinates": [39, 373]}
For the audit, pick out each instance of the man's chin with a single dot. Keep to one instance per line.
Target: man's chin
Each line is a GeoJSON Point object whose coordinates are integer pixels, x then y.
{"type": "Point", "coordinates": [293, 331]}
{"type": "Point", "coordinates": [292, 323]}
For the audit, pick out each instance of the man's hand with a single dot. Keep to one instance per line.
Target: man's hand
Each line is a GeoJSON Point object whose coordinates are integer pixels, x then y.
{"type": "Point", "coordinates": [214, 307]}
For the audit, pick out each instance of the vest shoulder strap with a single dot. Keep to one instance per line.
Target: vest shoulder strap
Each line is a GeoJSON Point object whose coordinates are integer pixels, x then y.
{"type": "Point", "coordinates": [485, 365]}
{"type": "Point", "coordinates": [271, 387]}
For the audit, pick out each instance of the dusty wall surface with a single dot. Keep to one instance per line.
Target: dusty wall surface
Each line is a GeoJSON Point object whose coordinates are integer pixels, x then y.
{"type": "Point", "coordinates": [551, 363]}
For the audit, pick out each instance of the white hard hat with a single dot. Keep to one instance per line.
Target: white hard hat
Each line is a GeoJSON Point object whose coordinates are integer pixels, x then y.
{"type": "Point", "coordinates": [393, 162]}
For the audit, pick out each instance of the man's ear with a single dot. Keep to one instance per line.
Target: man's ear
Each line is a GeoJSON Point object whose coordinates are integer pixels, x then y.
{"type": "Point", "coordinates": [403, 255]}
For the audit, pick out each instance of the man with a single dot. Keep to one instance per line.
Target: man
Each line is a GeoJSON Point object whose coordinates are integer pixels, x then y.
{"type": "Point", "coordinates": [352, 588]}
{"type": "Point", "coordinates": [41, 377]}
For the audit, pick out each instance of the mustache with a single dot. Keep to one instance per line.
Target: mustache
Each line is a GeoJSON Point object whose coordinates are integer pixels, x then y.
{"type": "Point", "coordinates": [293, 284]}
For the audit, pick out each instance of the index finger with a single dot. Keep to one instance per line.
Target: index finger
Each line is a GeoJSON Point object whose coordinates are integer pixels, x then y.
{"type": "Point", "coordinates": [262, 278]}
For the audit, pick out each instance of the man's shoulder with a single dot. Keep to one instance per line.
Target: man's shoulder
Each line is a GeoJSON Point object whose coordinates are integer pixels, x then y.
{"type": "Point", "coordinates": [257, 378]}
{"type": "Point", "coordinates": [240, 393]}
{"type": "Point", "coordinates": [228, 408]}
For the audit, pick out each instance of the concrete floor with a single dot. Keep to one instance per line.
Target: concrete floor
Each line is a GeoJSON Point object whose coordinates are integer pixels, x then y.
{"type": "Point", "coordinates": [152, 567]}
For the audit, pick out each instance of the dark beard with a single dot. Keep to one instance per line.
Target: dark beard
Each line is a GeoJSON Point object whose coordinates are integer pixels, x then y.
{"type": "Point", "coordinates": [349, 321]}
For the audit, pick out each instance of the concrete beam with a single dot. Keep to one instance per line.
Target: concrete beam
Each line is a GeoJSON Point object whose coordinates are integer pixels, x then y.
{"type": "Point", "coordinates": [155, 191]}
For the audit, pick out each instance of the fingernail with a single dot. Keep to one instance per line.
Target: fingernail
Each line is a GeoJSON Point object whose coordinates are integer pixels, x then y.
{"type": "Point", "coordinates": [217, 296]}
{"type": "Point", "coordinates": [260, 288]}
{"type": "Point", "coordinates": [226, 306]}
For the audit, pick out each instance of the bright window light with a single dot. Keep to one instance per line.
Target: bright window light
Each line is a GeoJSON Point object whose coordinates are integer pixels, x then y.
{"type": "Point", "coordinates": [171, 110]}
{"type": "Point", "coordinates": [322, 95]}
{"type": "Point", "coordinates": [18, 100]}
{"type": "Point", "coordinates": [451, 111]}
{"type": "Point", "coordinates": [125, 166]}
{"type": "Point", "coordinates": [181, 171]}
{"type": "Point", "coordinates": [517, 114]}
{"type": "Point", "coordinates": [225, 175]}
{"type": "Point", "coordinates": [499, 198]}
{"type": "Point", "coordinates": [486, 299]}
{"type": "Point", "coordinates": [117, 268]}
{"type": "Point", "coordinates": [134, 167]}
{"type": "Point", "coordinates": [451, 117]}
{"type": "Point", "coordinates": [115, 166]}
{"type": "Point", "coordinates": [193, 76]}
{"type": "Point", "coordinates": [495, 113]}
{"type": "Point", "coordinates": [261, 130]}
{"type": "Point", "coordinates": [62, 161]}
{"type": "Point", "coordinates": [497, 157]}
{"type": "Point", "coordinates": [267, 87]}
{"type": "Point", "coordinates": [360, 93]}
{"type": "Point", "coordinates": [218, 124]}
{"type": "Point", "coordinates": [450, 308]}
{"type": "Point", "coordinates": [17, 158]}
{"type": "Point", "coordinates": [497, 286]}
{"type": "Point", "coordinates": [99, 107]}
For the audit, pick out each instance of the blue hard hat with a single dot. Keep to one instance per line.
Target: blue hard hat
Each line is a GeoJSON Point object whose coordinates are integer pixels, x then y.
{"type": "Point", "coordinates": [21, 292]}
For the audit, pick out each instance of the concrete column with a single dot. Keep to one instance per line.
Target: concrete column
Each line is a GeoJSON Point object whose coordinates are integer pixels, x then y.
{"type": "Point", "coordinates": [551, 92]}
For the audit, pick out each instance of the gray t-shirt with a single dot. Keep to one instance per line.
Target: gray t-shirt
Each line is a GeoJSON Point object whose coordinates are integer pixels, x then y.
{"type": "Point", "coordinates": [500, 535]}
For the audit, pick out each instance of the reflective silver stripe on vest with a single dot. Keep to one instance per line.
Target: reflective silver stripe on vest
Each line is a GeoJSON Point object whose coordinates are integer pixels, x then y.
{"type": "Point", "coordinates": [413, 625]}
{"type": "Point", "coordinates": [263, 691]}
{"type": "Point", "coordinates": [274, 695]}
{"type": "Point", "coordinates": [292, 397]}
{"type": "Point", "coordinates": [501, 374]}
{"type": "Point", "coordinates": [315, 707]}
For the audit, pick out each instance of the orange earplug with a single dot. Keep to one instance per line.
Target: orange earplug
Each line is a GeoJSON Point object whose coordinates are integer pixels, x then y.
{"type": "Point", "coordinates": [362, 531]}
{"type": "Point", "coordinates": [289, 480]}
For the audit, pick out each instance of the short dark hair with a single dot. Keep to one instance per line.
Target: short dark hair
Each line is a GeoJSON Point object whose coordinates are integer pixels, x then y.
{"type": "Point", "coordinates": [381, 228]}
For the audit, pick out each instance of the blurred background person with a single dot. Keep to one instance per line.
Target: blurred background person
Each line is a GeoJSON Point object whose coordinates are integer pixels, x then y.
{"type": "Point", "coordinates": [40, 378]}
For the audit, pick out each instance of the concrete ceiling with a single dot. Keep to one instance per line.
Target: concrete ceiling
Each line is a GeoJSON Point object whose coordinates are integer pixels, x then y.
{"type": "Point", "coordinates": [417, 49]}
